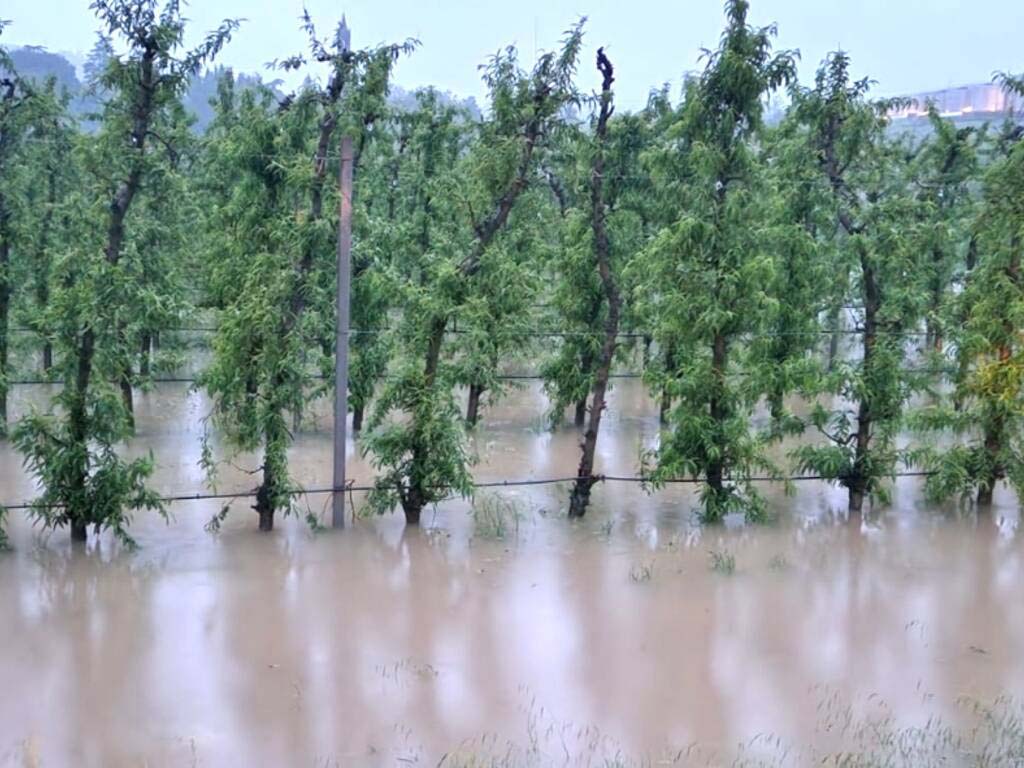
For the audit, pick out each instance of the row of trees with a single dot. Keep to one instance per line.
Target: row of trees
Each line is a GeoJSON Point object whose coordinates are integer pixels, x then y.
{"type": "Point", "coordinates": [730, 249]}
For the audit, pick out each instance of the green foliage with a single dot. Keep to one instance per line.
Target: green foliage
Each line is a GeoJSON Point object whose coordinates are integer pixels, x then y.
{"type": "Point", "coordinates": [641, 573]}
{"type": "Point", "coordinates": [878, 240]}
{"type": "Point", "coordinates": [99, 287]}
{"type": "Point", "coordinates": [989, 397]}
{"type": "Point", "coordinates": [459, 259]}
{"type": "Point", "coordinates": [722, 561]}
{"type": "Point", "coordinates": [706, 275]}
{"type": "Point", "coordinates": [112, 487]}
{"type": "Point", "coordinates": [18, 108]}
{"type": "Point", "coordinates": [495, 517]}
{"type": "Point", "coordinates": [271, 227]}
{"type": "Point", "coordinates": [733, 251]}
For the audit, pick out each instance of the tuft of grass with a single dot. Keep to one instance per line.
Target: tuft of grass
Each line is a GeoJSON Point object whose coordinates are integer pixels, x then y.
{"type": "Point", "coordinates": [723, 561]}
{"type": "Point", "coordinates": [992, 736]}
{"type": "Point", "coordinates": [778, 563]}
{"type": "Point", "coordinates": [641, 572]}
{"type": "Point", "coordinates": [495, 517]}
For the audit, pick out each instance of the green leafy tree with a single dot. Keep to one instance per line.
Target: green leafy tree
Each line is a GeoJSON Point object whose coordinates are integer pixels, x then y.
{"type": "Point", "coordinates": [709, 271]}
{"type": "Point", "coordinates": [879, 242]}
{"type": "Point", "coordinates": [16, 101]}
{"type": "Point", "coordinates": [944, 169]}
{"type": "Point", "coordinates": [431, 445]}
{"type": "Point", "coordinates": [424, 456]}
{"type": "Point", "coordinates": [273, 266]}
{"type": "Point", "coordinates": [72, 451]}
{"type": "Point", "coordinates": [803, 281]}
{"type": "Point", "coordinates": [576, 297]}
{"type": "Point", "coordinates": [52, 170]}
{"type": "Point", "coordinates": [601, 249]}
{"type": "Point", "coordinates": [989, 399]}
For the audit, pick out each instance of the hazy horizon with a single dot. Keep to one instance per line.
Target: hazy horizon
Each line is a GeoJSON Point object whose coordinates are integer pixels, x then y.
{"type": "Point", "coordinates": [908, 47]}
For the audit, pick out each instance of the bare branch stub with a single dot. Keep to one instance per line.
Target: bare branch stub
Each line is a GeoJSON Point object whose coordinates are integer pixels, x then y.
{"type": "Point", "coordinates": [604, 66]}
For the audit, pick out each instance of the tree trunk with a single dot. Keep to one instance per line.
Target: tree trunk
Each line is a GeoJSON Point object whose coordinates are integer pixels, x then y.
{"type": "Point", "coordinates": [147, 345]}
{"type": "Point", "coordinates": [417, 495]}
{"type": "Point", "coordinates": [473, 404]}
{"type": "Point", "coordinates": [835, 325]}
{"type": "Point", "coordinates": [126, 399]}
{"type": "Point", "coordinates": [860, 478]}
{"type": "Point", "coordinates": [77, 511]}
{"type": "Point", "coordinates": [357, 417]}
{"type": "Point", "coordinates": [413, 508]}
{"type": "Point", "coordinates": [856, 501]}
{"type": "Point", "coordinates": [43, 258]}
{"type": "Point", "coordinates": [266, 494]}
{"type": "Point", "coordinates": [580, 497]}
{"type": "Point", "coordinates": [580, 417]}
{"type": "Point", "coordinates": [264, 504]}
{"type": "Point", "coordinates": [985, 495]}
{"type": "Point", "coordinates": [665, 407]}
{"type": "Point", "coordinates": [79, 530]}
{"type": "Point", "coordinates": [719, 411]}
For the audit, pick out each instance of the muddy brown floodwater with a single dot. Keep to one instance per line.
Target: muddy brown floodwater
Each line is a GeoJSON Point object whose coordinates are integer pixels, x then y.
{"type": "Point", "coordinates": [516, 636]}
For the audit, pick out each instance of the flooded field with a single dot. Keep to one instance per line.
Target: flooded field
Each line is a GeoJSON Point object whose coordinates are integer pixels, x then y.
{"type": "Point", "coordinates": [508, 635]}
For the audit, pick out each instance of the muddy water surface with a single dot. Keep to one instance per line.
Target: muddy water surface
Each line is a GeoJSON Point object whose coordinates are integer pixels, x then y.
{"type": "Point", "coordinates": [579, 641]}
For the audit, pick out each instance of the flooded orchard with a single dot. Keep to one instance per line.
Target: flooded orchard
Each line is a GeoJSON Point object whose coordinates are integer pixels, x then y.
{"type": "Point", "coordinates": [505, 633]}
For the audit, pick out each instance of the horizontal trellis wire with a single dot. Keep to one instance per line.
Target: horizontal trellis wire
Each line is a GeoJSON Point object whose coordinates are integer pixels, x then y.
{"type": "Point", "coordinates": [319, 490]}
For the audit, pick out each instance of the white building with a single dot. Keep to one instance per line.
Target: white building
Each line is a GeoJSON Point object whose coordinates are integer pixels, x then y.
{"type": "Point", "coordinates": [981, 99]}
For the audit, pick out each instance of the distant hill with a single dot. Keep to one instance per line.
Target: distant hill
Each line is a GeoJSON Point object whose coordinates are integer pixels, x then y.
{"type": "Point", "coordinates": [38, 64]}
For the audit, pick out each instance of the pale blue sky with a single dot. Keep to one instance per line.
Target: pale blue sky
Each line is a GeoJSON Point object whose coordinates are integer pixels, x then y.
{"type": "Point", "coordinates": [906, 45]}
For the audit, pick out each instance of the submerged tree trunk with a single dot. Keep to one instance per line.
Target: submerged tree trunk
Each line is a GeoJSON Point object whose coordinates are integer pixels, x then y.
{"type": "Point", "coordinates": [417, 495]}
{"type": "Point", "coordinates": [665, 407]}
{"type": "Point", "coordinates": [144, 353]}
{"type": "Point", "coordinates": [580, 416]}
{"type": "Point", "coordinates": [42, 274]}
{"type": "Point", "coordinates": [77, 511]}
{"type": "Point", "coordinates": [476, 391]}
{"type": "Point", "coordinates": [127, 399]}
{"type": "Point", "coordinates": [777, 407]}
{"type": "Point", "coordinates": [993, 445]}
{"type": "Point", "coordinates": [264, 500]}
{"type": "Point", "coordinates": [719, 414]}
{"type": "Point", "coordinates": [933, 329]}
{"type": "Point", "coordinates": [79, 529]}
{"type": "Point", "coordinates": [859, 480]}
{"type": "Point", "coordinates": [963, 359]}
{"type": "Point", "coordinates": [835, 322]}
{"type": "Point", "coordinates": [580, 497]}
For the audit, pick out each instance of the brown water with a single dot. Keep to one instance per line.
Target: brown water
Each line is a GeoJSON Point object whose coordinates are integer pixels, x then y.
{"type": "Point", "coordinates": [560, 643]}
